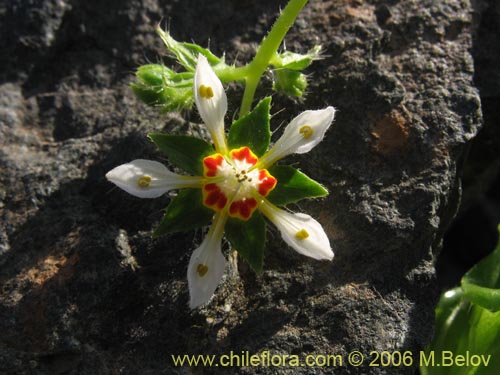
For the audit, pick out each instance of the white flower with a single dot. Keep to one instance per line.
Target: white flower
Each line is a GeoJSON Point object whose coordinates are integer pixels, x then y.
{"type": "Point", "coordinates": [301, 135]}
{"type": "Point", "coordinates": [207, 264]}
{"type": "Point", "coordinates": [304, 234]}
{"type": "Point", "coordinates": [211, 102]}
{"type": "Point", "coordinates": [149, 179]}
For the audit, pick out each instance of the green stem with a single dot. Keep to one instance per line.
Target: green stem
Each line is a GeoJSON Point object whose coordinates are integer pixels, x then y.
{"type": "Point", "coordinates": [267, 50]}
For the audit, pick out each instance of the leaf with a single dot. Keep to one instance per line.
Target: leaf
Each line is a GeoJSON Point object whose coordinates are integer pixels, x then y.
{"type": "Point", "coordinates": [466, 326]}
{"type": "Point", "coordinates": [185, 212]}
{"type": "Point", "coordinates": [486, 297]}
{"type": "Point", "coordinates": [187, 53]}
{"type": "Point", "coordinates": [293, 186]}
{"type": "Point", "coordinates": [462, 329]}
{"type": "Point", "coordinates": [248, 238]}
{"type": "Point", "coordinates": [481, 284]}
{"type": "Point", "coordinates": [183, 151]}
{"type": "Point", "coordinates": [253, 129]}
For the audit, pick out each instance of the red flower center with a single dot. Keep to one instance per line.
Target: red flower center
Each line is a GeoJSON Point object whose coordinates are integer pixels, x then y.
{"type": "Point", "coordinates": [236, 181]}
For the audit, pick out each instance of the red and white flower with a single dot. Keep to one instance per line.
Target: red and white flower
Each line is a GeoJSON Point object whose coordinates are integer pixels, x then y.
{"type": "Point", "coordinates": [235, 183]}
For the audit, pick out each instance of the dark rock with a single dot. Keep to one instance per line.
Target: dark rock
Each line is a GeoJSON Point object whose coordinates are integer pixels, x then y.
{"type": "Point", "coordinates": [84, 288]}
{"type": "Point", "coordinates": [475, 234]}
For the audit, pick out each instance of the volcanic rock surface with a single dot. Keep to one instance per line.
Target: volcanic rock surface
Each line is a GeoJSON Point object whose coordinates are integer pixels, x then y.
{"type": "Point", "coordinates": [83, 287]}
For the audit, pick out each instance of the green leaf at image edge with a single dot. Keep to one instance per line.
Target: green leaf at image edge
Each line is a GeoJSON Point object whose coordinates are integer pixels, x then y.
{"type": "Point", "coordinates": [183, 151]}
{"type": "Point", "coordinates": [185, 212]}
{"type": "Point", "coordinates": [481, 284]}
{"type": "Point", "coordinates": [248, 238]}
{"type": "Point", "coordinates": [253, 129]}
{"type": "Point", "coordinates": [293, 186]}
{"type": "Point", "coordinates": [467, 321]}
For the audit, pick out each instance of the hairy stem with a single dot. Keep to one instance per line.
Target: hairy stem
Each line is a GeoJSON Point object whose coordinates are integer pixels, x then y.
{"type": "Point", "coordinates": [267, 50]}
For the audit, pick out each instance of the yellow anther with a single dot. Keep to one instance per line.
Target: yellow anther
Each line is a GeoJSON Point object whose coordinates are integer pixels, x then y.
{"type": "Point", "coordinates": [302, 234]}
{"type": "Point", "coordinates": [306, 131]}
{"type": "Point", "coordinates": [206, 92]}
{"type": "Point", "coordinates": [144, 181]}
{"type": "Point", "coordinates": [202, 269]}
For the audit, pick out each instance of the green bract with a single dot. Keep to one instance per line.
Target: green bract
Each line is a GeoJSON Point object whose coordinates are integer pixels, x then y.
{"type": "Point", "coordinates": [295, 61]}
{"type": "Point", "coordinates": [468, 322]}
{"type": "Point", "coordinates": [187, 53]}
{"type": "Point", "coordinates": [184, 213]}
{"type": "Point", "coordinates": [293, 186]}
{"type": "Point", "coordinates": [249, 238]}
{"type": "Point", "coordinates": [183, 151]}
{"type": "Point", "coordinates": [253, 129]}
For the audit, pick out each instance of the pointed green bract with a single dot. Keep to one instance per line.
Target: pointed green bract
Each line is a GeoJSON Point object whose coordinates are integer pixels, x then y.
{"type": "Point", "coordinates": [296, 61]}
{"type": "Point", "coordinates": [253, 129]}
{"type": "Point", "coordinates": [187, 53]}
{"type": "Point", "coordinates": [293, 186]}
{"type": "Point", "coordinates": [248, 238]}
{"type": "Point", "coordinates": [185, 212]}
{"type": "Point", "coordinates": [184, 152]}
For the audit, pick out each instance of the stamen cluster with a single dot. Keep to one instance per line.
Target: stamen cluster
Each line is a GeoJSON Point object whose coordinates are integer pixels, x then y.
{"type": "Point", "coordinates": [235, 182]}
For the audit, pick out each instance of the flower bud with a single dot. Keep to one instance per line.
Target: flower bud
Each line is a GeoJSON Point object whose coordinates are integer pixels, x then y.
{"type": "Point", "coordinates": [158, 85]}
{"type": "Point", "coordinates": [289, 82]}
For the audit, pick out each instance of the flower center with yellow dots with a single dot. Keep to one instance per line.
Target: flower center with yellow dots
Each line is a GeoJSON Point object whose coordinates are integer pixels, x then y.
{"type": "Point", "coordinates": [235, 183]}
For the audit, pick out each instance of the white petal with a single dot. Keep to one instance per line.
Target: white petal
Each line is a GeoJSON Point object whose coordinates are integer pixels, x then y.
{"type": "Point", "coordinates": [207, 265]}
{"type": "Point", "coordinates": [301, 135]}
{"type": "Point", "coordinates": [156, 178]}
{"type": "Point", "coordinates": [304, 234]}
{"type": "Point", "coordinates": [211, 104]}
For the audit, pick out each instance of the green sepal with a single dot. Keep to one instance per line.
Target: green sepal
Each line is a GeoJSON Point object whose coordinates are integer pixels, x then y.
{"type": "Point", "coordinates": [481, 284]}
{"type": "Point", "coordinates": [185, 212]}
{"type": "Point", "coordinates": [187, 53]}
{"type": "Point", "coordinates": [248, 238]}
{"type": "Point", "coordinates": [253, 129]}
{"type": "Point", "coordinates": [183, 151]}
{"type": "Point", "coordinates": [293, 186]}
